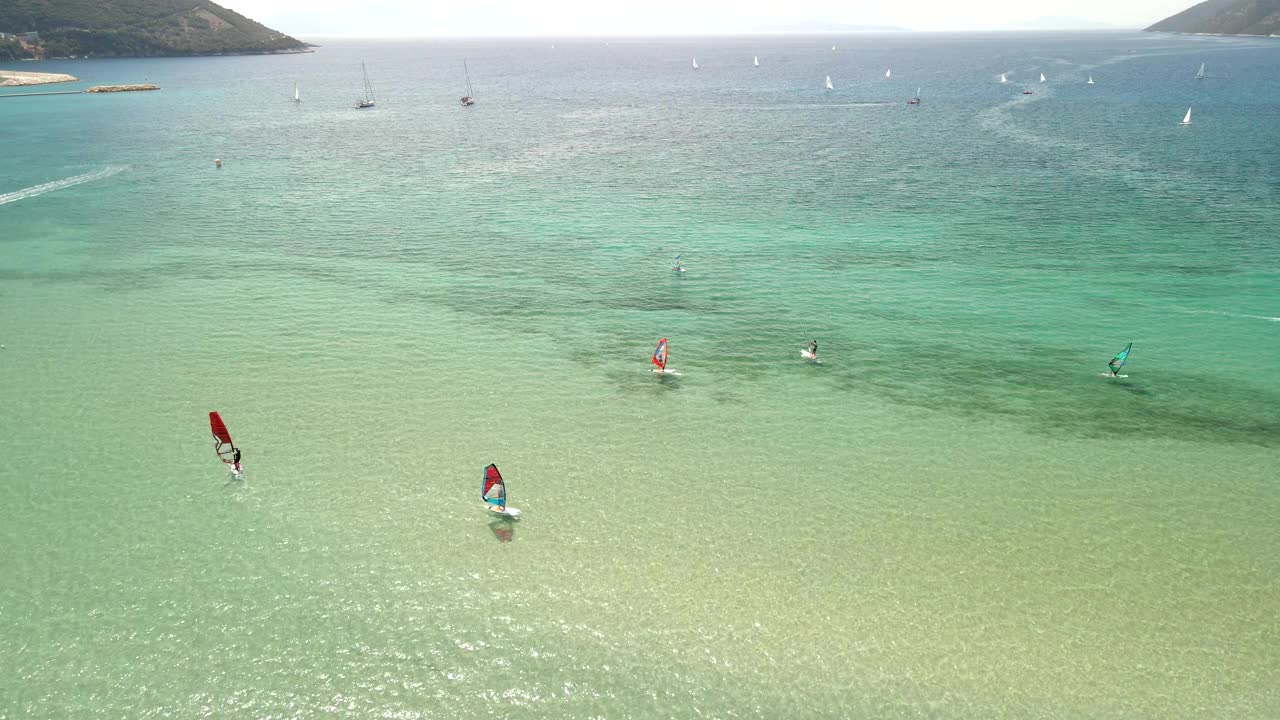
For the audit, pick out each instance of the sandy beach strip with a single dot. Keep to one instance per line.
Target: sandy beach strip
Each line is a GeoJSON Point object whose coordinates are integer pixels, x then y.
{"type": "Point", "coordinates": [13, 78]}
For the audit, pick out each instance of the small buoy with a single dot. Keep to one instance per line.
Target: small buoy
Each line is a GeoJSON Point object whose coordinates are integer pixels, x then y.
{"type": "Point", "coordinates": [217, 163]}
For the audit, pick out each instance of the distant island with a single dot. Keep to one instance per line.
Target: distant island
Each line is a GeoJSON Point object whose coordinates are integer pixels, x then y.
{"type": "Point", "coordinates": [1225, 17]}
{"type": "Point", "coordinates": [132, 28]}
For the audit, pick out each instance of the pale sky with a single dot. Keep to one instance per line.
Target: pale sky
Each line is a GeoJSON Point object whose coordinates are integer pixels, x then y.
{"type": "Point", "coordinates": [420, 18]}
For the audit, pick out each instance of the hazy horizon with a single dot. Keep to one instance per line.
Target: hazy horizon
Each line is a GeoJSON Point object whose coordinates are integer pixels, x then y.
{"type": "Point", "coordinates": [661, 18]}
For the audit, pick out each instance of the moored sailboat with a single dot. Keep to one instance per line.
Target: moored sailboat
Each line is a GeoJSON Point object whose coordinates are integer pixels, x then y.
{"type": "Point", "coordinates": [470, 97]}
{"type": "Point", "coordinates": [367, 100]}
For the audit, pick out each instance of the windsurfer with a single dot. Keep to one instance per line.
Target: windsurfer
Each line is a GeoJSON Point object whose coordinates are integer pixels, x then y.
{"type": "Point", "coordinates": [235, 461]}
{"type": "Point", "coordinates": [813, 348]}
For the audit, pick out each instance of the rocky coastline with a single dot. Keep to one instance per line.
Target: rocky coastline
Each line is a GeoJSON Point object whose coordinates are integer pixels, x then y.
{"type": "Point", "coordinates": [13, 78]}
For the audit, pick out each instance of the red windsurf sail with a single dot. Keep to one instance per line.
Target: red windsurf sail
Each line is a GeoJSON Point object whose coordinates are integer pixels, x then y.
{"type": "Point", "coordinates": [660, 354]}
{"type": "Point", "coordinates": [222, 439]}
{"type": "Point", "coordinates": [492, 488]}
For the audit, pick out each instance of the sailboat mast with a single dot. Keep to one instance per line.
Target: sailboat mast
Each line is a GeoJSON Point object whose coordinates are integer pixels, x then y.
{"type": "Point", "coordinates": [467, 74]}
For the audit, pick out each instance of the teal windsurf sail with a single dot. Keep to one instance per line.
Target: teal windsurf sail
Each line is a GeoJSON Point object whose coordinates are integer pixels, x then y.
{"type": "Point", "coordinates": [1119, 360]}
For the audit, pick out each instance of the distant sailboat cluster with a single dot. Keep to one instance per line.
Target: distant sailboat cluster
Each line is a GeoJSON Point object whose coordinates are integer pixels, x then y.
{"type": "Point", "coordinates": [367, 99]}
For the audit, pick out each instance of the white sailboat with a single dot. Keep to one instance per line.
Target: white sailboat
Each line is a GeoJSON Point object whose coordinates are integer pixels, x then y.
{"type": "Point", "coordinates": [470, 97]}
{"type": "Point", "coordinates": [1090, 80]}
{"type": "Point", "coordinates": [829, 85]}
{"type": "Point", "coordinates": [1186, 120]}
{"type": "Point", "coordinates": [833, 48]}
{"type": "Point", "coordinates": [755, 60]}
{"type": "Point", "coordinates": [1200, 74]}
{"type": "Point", "coordinates": [888, 73]}
{"type": "Point", "coordinates": [296, 97]}
{"type": "Point", "coordinates": [1003, 79]}
{"type": "Point", "coordinates": [915, 100]}
{"type": "Point", "coordinates": [695, 63]}
{"type": "Point", "coordinates": [1041, 77]}
{"type": "Point", "coordinates": [367, 101]}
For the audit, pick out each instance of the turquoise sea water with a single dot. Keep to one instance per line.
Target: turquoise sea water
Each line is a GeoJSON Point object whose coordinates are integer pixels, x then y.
{"type": "Point", "coordinates": [955, 515]}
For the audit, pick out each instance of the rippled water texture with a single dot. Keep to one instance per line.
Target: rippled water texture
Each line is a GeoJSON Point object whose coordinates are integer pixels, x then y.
{"type": "Point", "coordinates": [955, 515]}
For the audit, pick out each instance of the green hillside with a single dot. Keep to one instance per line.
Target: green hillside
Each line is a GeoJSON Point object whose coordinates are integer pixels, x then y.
{"type": "Point", "coordinates": [132, 28]}
{"type": "Point", "coordinates": [1227, 17]}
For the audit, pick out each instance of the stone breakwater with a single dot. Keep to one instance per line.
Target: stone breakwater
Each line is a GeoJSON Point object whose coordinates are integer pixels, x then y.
{"type": "Point", "coordinates": [121, 88]}
{"type": "Point", "coordinates": [13, 78]}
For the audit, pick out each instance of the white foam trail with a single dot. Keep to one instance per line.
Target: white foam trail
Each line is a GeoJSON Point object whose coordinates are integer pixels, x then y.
{"type": "Point", "coordinates": [43, 188]}
{"type": "Point", "coordinates": [1231, 314]}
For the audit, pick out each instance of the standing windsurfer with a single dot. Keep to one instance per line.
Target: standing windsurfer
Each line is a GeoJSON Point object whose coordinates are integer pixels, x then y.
{"type": "Point", "coordinates": [235, 461]}
{"type": "Point", "coordinates": [813, 348]}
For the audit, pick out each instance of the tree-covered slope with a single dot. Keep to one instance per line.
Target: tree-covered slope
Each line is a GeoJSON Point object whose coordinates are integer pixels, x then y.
{"type": "Point", "coordinates": [1228, 17]}
{"type": "Point", "coordinates": [139, 27]}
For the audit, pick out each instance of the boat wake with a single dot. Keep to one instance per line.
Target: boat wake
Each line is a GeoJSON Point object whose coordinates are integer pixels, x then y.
{"type": "Point", "coordinates": [1224, 313]}
{"type": "Point", "coordinates": [1143, 176]}
{"type": "Point", "coordinates": [817, 106]}
{"type": "Point", "coordinates": [43, 188]}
